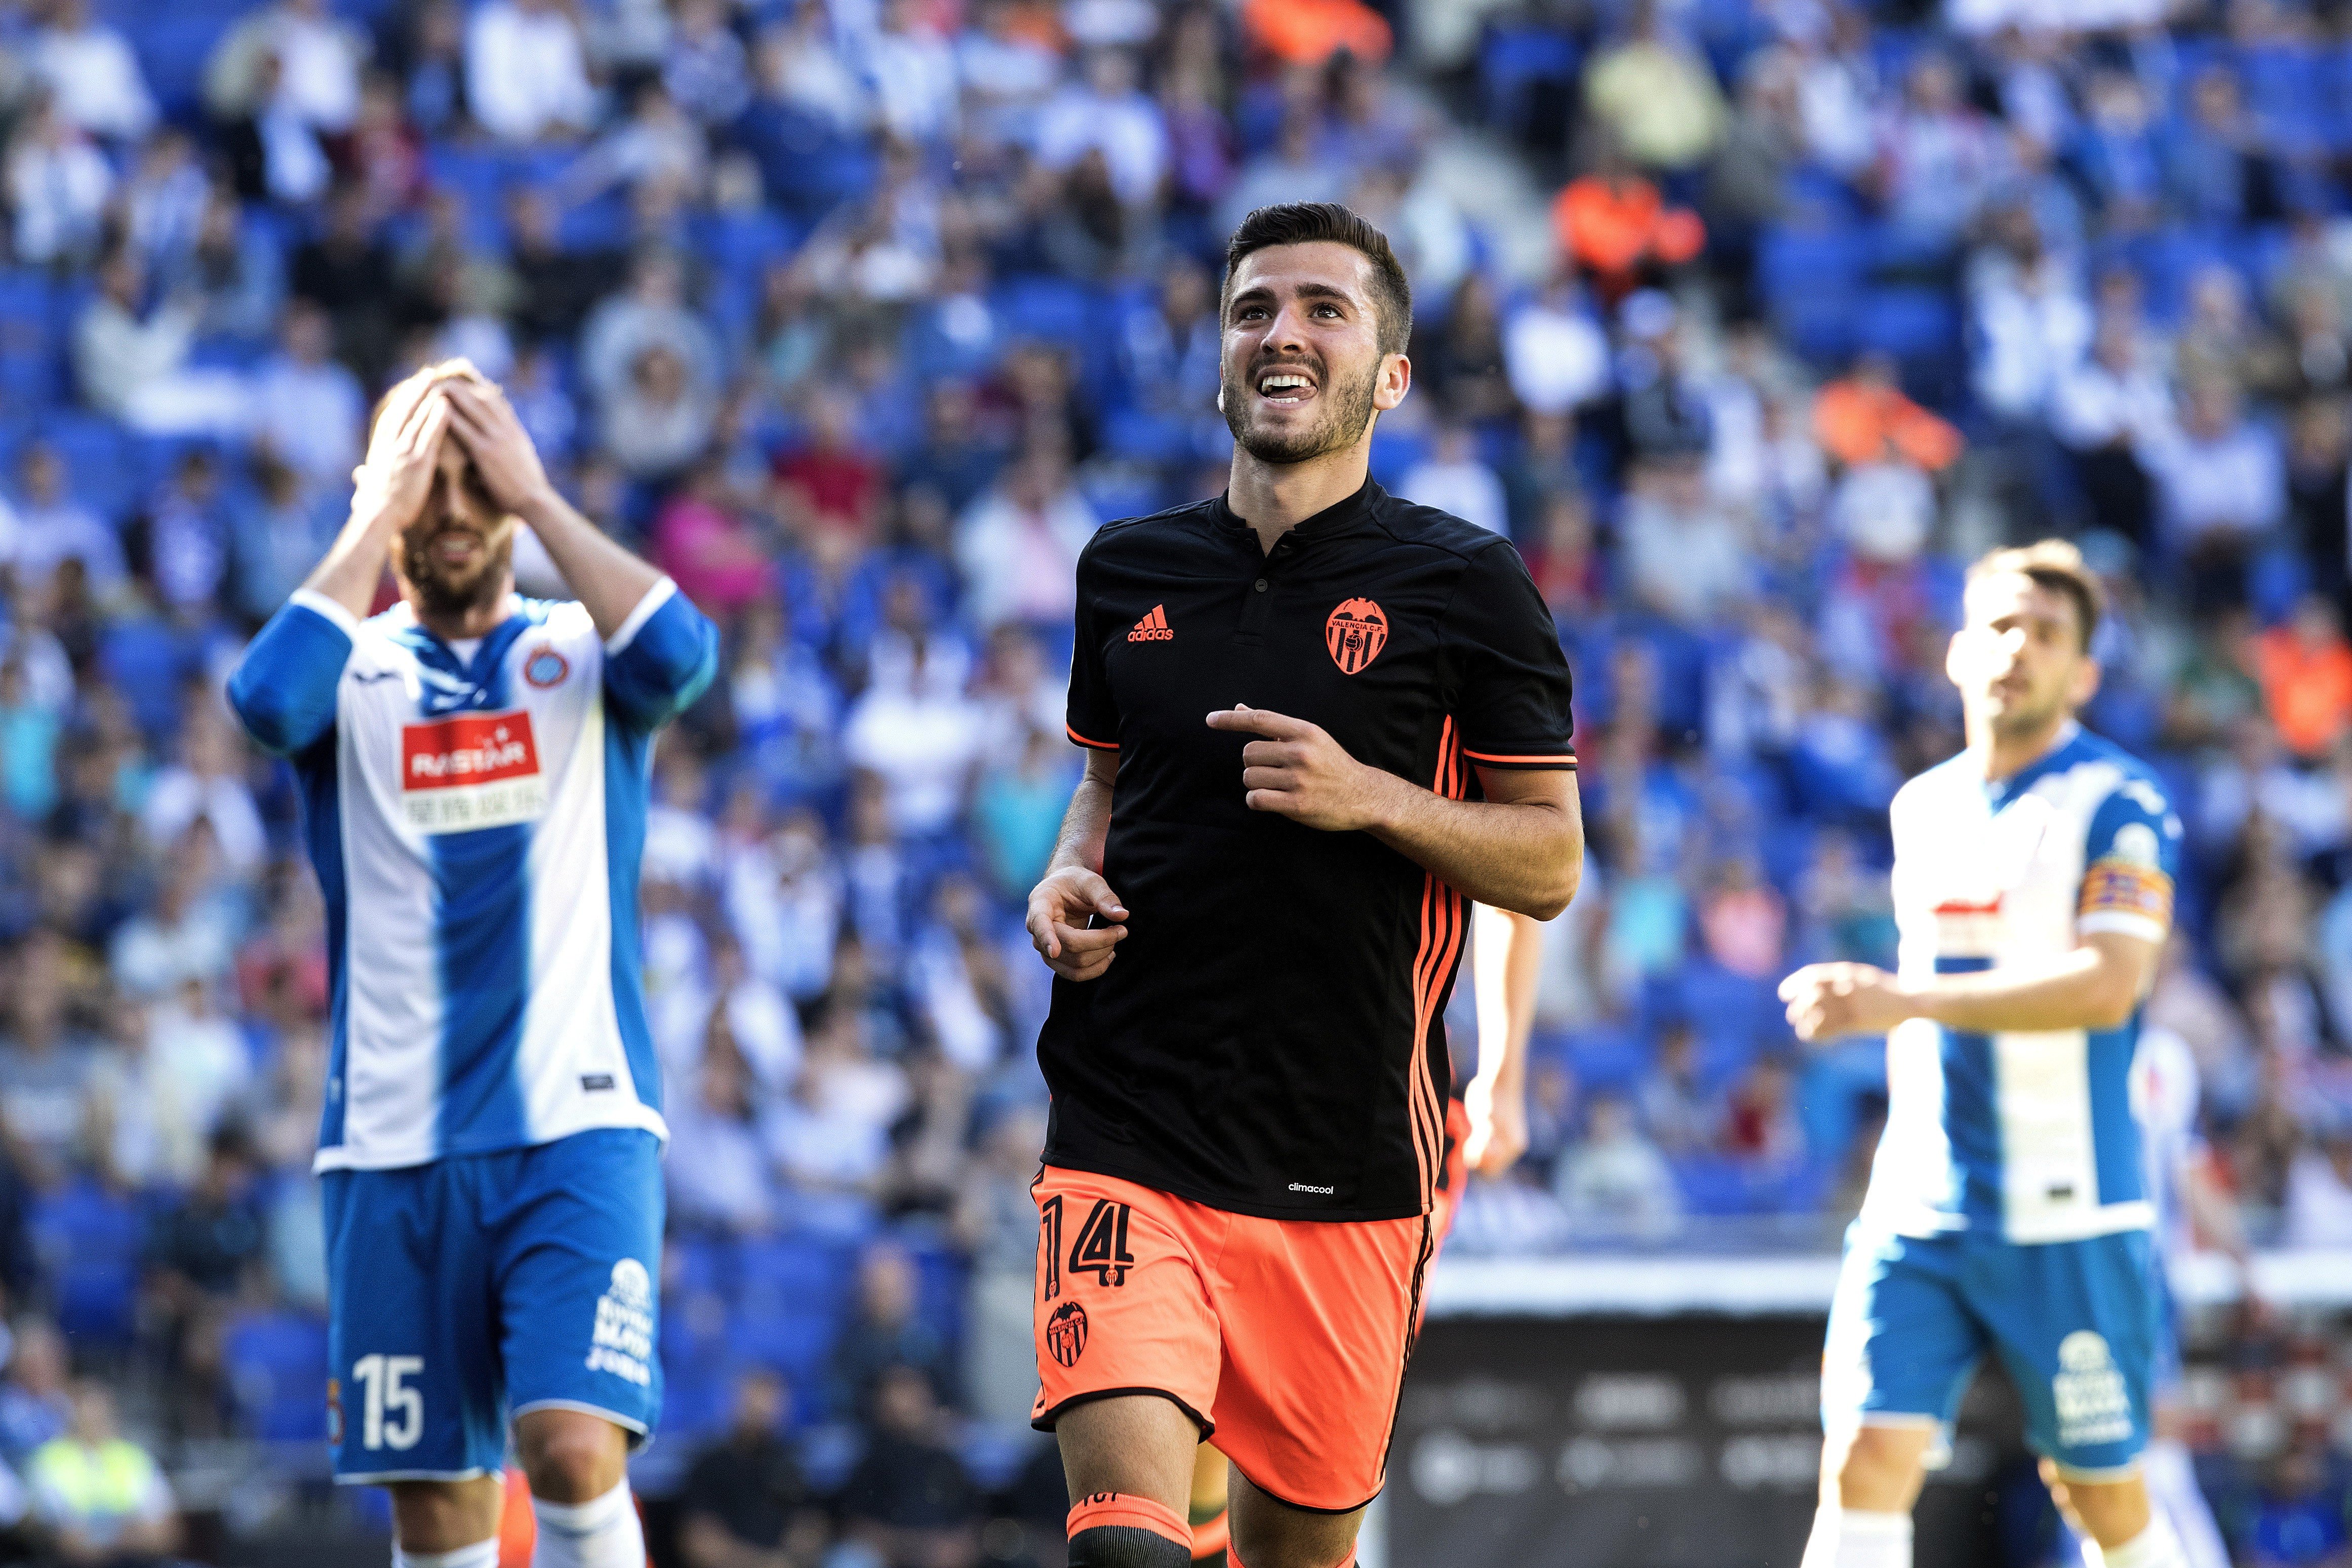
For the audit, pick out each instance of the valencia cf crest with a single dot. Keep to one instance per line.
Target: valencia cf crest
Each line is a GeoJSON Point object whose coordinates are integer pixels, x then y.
{"type": "Point", "coordinates": [1065, 1333]}
{"type": "Point", "coordinates": [1355, 635]}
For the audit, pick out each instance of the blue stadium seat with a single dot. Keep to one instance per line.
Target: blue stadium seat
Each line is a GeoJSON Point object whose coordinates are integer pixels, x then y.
{"type": "Point", "coordinates": [1514, 62]}
{"type": "Point", "coordinates": [276, 1364]}
{"type": "Point", "coordinates": [1914, 325]}
{"type": "Point", "coordinates": [791, 1293]}
{"type": "Point", "coordinates": [1051, 309]}
{"type": "Point", "coordinates": [88, 1242]}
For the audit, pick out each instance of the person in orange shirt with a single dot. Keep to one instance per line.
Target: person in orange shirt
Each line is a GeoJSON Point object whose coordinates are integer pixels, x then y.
{"type": "Point", "coordinates": [2305, 668]}
{"type": "Point", "coordinates": [1618, 229]}
{"type": "Point", "coordinates": [1866, 418]}
{"type": "Point", "coordinates": [1309, 32]}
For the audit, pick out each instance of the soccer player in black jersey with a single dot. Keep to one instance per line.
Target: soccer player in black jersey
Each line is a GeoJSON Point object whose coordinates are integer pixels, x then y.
{"type": "Point", "coordinates": [1321, 721]}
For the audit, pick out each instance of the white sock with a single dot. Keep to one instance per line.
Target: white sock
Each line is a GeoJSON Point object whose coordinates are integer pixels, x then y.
{"type": "Point", "coordinates": [481, 1554]}
{"type": "Point", "coordinates": [2173, 1491]}
{"type": "Point", "coordinates": [603, 1532]}
{"type": "Point", "coordinates": [2155, 1547]}
{"type": "Point", "coordinates": [1856, 1538]}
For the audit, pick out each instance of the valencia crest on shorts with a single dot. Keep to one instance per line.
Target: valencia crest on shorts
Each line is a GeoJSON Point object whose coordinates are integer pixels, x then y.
{"type": "Point", "coordinates": [1065, 1333]}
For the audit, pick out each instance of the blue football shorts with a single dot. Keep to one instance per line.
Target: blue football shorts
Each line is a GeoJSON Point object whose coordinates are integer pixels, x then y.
{"type": "Point", "coordinates": [480, 1286]}
{"type": "Point", "coordinates": [2077, 1324]}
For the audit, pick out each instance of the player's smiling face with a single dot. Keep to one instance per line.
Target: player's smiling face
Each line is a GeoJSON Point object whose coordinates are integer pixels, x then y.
{"type": "Point", "coordinates": [456, 554]}
{"type": "Point", "coordinates": [2018, 658]}
{"type": "Point", "coordinates": [1303, 371]}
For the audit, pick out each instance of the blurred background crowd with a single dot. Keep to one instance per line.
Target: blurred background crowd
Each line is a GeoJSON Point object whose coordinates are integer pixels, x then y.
{"type": "Point", "coordinates": [1748, 321]}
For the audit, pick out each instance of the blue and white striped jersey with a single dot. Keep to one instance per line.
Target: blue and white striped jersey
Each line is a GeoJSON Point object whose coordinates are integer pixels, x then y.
{"type": "Point", "coordinates": [2029, 1134]}
{"type": "Point", "coordinates": [477, 818]}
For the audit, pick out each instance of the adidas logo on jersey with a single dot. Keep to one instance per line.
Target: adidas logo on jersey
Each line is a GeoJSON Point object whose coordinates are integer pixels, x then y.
{"type": "Point", "coordinates": [1153, 628]}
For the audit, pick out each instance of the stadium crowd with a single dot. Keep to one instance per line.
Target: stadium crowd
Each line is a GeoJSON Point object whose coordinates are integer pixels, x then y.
{"type": "Point", "coordinates": [857, 319]}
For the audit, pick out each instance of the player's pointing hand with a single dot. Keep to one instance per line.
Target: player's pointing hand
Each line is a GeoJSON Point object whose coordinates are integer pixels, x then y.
{"type": "Point", "coordinates": [1059, 907]}
{"type": "Point", "coordinates": [1296, 770]}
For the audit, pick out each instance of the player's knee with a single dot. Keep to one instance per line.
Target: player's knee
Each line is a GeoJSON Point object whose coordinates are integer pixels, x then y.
{"type": "Point", "coordinates": [573, 1458]}
{"type": "Point", "coordinates": [1115, 1530]}
{"type": "Point", "coordinates": [1880, 1469]}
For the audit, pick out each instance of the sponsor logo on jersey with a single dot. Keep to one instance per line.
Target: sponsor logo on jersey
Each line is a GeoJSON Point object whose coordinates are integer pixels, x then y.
{"type": "Point", "coordinates": [1355, 633]}
{"type": "Point", "coordinates": [2094, 1406]}
{"type": "Point", "coordinates": [470, 770]}
{"type": "Point", "coordinates": [622, 1340]}
{"type": "Point", "coordinates": [1967, 927]}
{"type": "Point", "coordinates": [545, 667]}
{"type": "Point", "coordinates": [1153, 628]}
{"type": "Point", "coordinates": [1065, 1333]}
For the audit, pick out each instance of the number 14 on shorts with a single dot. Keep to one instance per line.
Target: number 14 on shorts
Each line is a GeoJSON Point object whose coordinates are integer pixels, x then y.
{"type": "Point", "coordinates": [1100, 1248]}
{"type": "Point", "coordinates": [392, 1414]}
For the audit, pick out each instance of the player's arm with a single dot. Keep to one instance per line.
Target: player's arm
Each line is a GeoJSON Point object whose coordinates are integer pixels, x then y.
{"type": "Point", "coordinates": [1522, 848]}
{"type": "Point", "coordinates": [283, 690]}
{"type": "Point", "coordinates": [1073, 890]}
{"type": "Point", "coordinates": [2096, 987]}
{"type": "Point", "coordinates": [662, 651]}
{"type": "Point", "coordinates": [1506, 951]}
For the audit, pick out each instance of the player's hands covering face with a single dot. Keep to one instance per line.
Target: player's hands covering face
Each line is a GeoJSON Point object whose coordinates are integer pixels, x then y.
{"type": "Point", "coordinates": [485, 423]}
{"type": "Point", "coordinates": [393, 482]}
{"type": "Point", "coordinates": [1829, 1000]}
{"type": "Point", "coordinates": [1058, 910]}
{"type": "Point", "coordinates": [1296, 770]}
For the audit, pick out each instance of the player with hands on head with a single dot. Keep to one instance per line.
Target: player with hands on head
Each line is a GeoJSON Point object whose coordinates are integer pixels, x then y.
{"type": "Point", "coordinates": [2007, 1208]}
{"type": "Point", "coordinates": [474, 770]}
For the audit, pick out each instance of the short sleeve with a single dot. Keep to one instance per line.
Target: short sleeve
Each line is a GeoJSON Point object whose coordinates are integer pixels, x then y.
{"type": "Point", "coordinates": [1508, 679]}
{"type": "Point", "coordinates": [661, 658]}
{"type": "Point", "coordinates": [2130, 863]}
{"type": "Point", "coordinates": [1092, 717]}
{"type": "Point", "coordinates": [283, 690]}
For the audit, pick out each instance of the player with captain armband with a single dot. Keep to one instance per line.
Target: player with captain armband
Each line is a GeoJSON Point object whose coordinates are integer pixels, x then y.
{"type": "Point", "coordinates": [473, 770]}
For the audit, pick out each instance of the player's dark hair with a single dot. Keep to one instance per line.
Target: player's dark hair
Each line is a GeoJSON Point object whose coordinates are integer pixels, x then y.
{"type": "Point", "coordinates": [2058, 566]}
{"type": "Point", "coordinates": [1308, 222]}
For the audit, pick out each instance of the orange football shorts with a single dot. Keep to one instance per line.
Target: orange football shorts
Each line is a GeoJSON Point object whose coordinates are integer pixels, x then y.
{"type": "Point", "coordinates": [1287, 1339]}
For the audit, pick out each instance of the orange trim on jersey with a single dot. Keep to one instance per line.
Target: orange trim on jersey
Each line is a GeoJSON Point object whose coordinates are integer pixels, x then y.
{"type": "Point", "coordinates": [1568, 760]}
{"type": "Point", "coordinates": [1442, 926]}
{"type": "Point", "coordinates": [1095, 745]}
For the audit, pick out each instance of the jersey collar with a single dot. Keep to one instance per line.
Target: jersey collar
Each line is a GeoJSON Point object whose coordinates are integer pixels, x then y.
{"type": "Point", "coordinates": [2001, 791]}
{"type": "Point", "coordinates": [1339, 517]}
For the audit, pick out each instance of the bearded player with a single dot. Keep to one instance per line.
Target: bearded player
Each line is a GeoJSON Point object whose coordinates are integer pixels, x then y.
{"type": "Point", "coordinates": [1486, 1132]}
{"type": "Point", "coordinates": [1321, 721]}
{"type": "Point", "coordinates": [2008, 1209]}
{"type": "Point", "coordinates": [473, 768]}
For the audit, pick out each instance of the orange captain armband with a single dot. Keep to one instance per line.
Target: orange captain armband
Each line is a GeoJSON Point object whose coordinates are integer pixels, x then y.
{"type": "Point", "coordinates": [2126, 888]}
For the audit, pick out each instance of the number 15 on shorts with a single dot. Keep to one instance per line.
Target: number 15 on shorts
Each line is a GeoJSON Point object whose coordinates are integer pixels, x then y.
{"type": "Point", "coordinates": [391, 1413]}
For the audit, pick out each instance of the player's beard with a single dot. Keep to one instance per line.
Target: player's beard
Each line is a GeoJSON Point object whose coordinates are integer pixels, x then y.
{"type": "Point", "coordinates": [438, 592]}
{"type": "Point", "coordinates": [1346, 410]}
{"type": "Point", "coordinates": [2029, 717]}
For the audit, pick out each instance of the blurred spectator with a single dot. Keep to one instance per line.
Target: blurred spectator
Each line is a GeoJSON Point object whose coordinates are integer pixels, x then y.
{"type": "Point", "coordinates": [2215, 168]}
{"type": "Point", "coordinates": [98, 1496]}
{"type": "Point", "coordinates": [2307, 675]}
{"type": "Point", "coordinates": [996, 1223]}
{"type": "Point", "coordinates": [1452, 478]}
{"type": "Point", "coordinates": [1744, 922]}
{"type": "Point", "coordinates": [1866, 418]}
{"type": "Point", "coordinates": [652, 312]}
{"type": "Point", "coordinates": [1679, 1115]}
{"type": "Point", "coordinates": [1556, 355]}
{"type": "Point", "coordinates": [1309, 32]}
{"type": "Point", "coordinates": [911, 73]}
{"type": "Point", "coordinates": [712, 553]}
{"type": "Point", "coordinates": [1656, 96]}
{"type": "Point", "coordinates": [784, 899]}
{"type": "Point", "coordinates": [35, 1396]}
{"type": "Point", "coordinates": [706, 71]}
{"type": "Point", "coordinates": [316, 57]}
{"type": "Point", "coordinates": [308, 408]}
{"type": "Point", "coordinates": [1614, 1179]}
{"type": "Point", "coordinates": [1684, 555]}
{"type": "Point", "coordinates": [1937, 157]}
{"type": "Point", "coordinates": [2319, 1190]}
{"type": "Point", "coordinates": [56, 527]}
{"type": "Point", "coordinates": [2300, 1519]}
{"type": "Point", "coordinates": [1759, 1125]}
{"type": "Point", "coordinates": [659, 422]}
{"type": "Point", "coordinates": [1616, 227]}
{"type": "Point", "coordinates": [725, 1186]}
{"type": "Point", "coordinates": [887, 1341]}
{"type": "Point", "coordinates": [910, 1501]}
{"type": "Point", "coordinates": [2114, 410]}
{"type": "Point", "coordinates": [1019, 543]}
{"type": "Point", "coordinates": [527, 70]}
{"type": "Point", "coordinates": [201, 1248]}
{"type": "Point", "coordinates": [2220, 488]}
{"type": "Point", "coordinates": [93, 73]}
{"type": "Point", "coordinates": [182, 1066]}
{"type": "Point", "coordinates": [48, 1063]}
{"type": "Point", "coordinates": [744, 1502]}
{"type": "Point", "coordinates": [348, 270]}
{"type": "Point", "coordinates": [1105, 111]}
{"type": "Point", "coordinates": [58, 184]}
